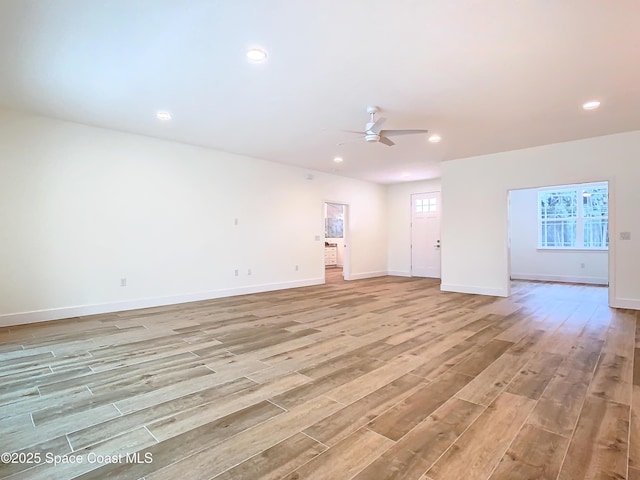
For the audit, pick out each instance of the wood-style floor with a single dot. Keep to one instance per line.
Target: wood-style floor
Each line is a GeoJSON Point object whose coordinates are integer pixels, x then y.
{"type": "Point", "coordinates": [384, 378]}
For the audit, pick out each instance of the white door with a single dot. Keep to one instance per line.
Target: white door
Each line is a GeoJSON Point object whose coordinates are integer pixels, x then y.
{"type": "Point", "coordinates": [425, 235]}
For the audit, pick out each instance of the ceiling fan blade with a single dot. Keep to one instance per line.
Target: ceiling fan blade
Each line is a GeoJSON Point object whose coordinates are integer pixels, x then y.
{"type": "Point", "coordinates": [386, 141]}
{"type": "Point", "coordinates": [353, 131]}
{"type": "Point", "coordinates": [375, 128]}
{"type": "Point", "coordinates": [395, 133]}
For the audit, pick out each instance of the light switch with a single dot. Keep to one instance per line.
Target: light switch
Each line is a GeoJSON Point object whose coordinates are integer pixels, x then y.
{"type": "Point", "coordinates": [625, 235]}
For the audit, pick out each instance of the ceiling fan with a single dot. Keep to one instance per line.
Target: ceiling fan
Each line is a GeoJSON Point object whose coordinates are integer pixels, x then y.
{"type": "Point", "coordinates": [373, 130]}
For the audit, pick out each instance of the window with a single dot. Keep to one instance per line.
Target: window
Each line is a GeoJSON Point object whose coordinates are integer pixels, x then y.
{"type": "Point", "coordinates": [424, 205]}
{"type": "Point", "coordinates": [574, 217]}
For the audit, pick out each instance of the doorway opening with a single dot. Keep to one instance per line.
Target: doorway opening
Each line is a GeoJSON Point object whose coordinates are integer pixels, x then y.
{"type": "Point", "coordinates": [425, 235]}
{"type": "Point", "coordinates": [560, 234]}
{"type": "Point", "coordinates": [336, 252]}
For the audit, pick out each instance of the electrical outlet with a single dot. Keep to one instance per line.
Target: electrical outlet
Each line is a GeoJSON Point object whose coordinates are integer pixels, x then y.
{"type": "Point", "coordinates": [296, 268]}
{"type": "Point", "coordinates": [235, 221]}
{"type": "Point", "coordinates": [317, 238]}
{"type": "Point", "coordinates": [236, 272]}
{"type": "Point", "coordinates": [582, 265]}
{"type": "Point", "coordinates": [249, 272]}
{"type": "Point", "coordinates": [123, 282]}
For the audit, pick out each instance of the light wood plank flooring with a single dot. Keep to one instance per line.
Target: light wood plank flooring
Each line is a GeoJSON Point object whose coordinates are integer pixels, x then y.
{"type": "Point", "coordinates": [385, 378]}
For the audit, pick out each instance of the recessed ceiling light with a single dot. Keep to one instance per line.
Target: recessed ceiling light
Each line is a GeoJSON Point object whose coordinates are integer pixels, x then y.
{"type": "Point", "coordinates": [435, 138]}
{"type": "Point", "coordinates": [338, 159]}
{"type": "Point", "coordinates": [256, 55]}
{"type": "Point", "coordinates": [163, 116]}
{"type": "Point", "coordinates": [591, 105]}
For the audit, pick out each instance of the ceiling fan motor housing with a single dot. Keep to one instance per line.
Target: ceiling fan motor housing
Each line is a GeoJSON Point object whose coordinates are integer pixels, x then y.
{"type": "Point", "coordinates": [370, 135]}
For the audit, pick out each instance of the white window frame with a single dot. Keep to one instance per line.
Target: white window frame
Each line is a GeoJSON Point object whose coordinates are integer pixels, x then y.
{"type": "Point", "coordinates": [579, 189]}
{"type": "Point", "coordinates": [426, 205]}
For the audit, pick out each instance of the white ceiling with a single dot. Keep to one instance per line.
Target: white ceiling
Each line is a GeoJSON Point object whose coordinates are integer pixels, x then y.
{"type": "Point", "coordinates": [488, 76]}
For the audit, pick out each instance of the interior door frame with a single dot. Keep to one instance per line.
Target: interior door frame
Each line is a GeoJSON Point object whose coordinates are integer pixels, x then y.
{"type": "Point", "coordinates": [346, 259]}
{"type": "Point", "coordinates": [611, 227]}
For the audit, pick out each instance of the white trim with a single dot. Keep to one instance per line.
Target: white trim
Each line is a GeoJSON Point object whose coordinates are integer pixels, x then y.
{"type": "Point", "coordinates": [494, 292]}
{"type": "Point", "coordinates": [398, 273]}
{"type": "Point", "coordinates": [571, 249]}
{"type": "Point", "coordinates": [346, 237]}
{"type": "Point", "coordinates": [560, 278]}
{"type": "Point", "coordinates": [360, 276]}
{"type": "Point", "coordinates": [626, 303]}
{"type": "Point", "coordinates": [507, 245]}
{"type": "Point", "coordinates": [613, 245]}
{"type": "Point", "coordinates": [569, 186]}
{"type": "Point", "coordinates": [611, 188]}
{"type": "Point", "coordinates": [22, 318]}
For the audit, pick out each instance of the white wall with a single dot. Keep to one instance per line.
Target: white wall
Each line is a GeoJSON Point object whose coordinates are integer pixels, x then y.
{"type": "Point", "coordinates": [399, 223]}
{"type": "Point", "coordinates": [474, 217]}
{"type": "Point", "coordinates": [83, 207]}
{"type": "Point", "coordinates": [530, 263]}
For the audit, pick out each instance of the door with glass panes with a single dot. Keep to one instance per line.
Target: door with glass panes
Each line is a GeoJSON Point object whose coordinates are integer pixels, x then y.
{"type": "Point", "coordinates": [425, 235]}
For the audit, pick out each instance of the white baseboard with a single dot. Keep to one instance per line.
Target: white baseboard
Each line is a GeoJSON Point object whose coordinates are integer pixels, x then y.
{"type": "Point", "coordinates": [560, 278]}
{"type": "Point", "coordinates": [398, 273]}
{"type": "Point", "coordinates": [35, 316]}
{"type": "Point", "coordinates": [494, 292]}
{"type": "Point", "coordinates": [626, 303]}
{"type": "Point", "coordinates": [360, 276]}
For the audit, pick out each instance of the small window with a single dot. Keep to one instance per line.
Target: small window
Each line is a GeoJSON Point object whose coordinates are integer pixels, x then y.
{"type": "Point", "coordinates": [424, 205]}
{"type": "Point", "coordinates": [576, 217]}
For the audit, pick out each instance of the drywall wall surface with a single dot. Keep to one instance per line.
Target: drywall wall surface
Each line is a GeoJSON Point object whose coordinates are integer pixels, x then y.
{"type": "Point", "coordinates": [85, 209]}
{"type": "Point", "coordinates": [475, 198]}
